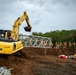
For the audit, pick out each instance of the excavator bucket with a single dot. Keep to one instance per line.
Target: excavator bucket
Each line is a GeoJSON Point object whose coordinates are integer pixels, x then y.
{"type": "Point", "coordinates": [27, 28]}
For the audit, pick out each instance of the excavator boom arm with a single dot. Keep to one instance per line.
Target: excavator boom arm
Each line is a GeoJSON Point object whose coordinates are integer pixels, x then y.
{"type": "Point", "coordinates": [15, 28]}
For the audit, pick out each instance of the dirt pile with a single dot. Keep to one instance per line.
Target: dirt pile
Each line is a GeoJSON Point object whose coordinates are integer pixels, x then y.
{"type": "Point", "coordinates": [38, 61]}
{"type": "Point", "coordinates": [47, 51]}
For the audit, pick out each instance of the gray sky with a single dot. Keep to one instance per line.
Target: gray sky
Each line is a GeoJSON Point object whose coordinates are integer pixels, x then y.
{"type": "Point", "coordinates": [44, 15]}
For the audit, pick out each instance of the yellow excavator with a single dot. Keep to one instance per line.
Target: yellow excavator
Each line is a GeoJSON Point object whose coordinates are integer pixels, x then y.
{"type": "Point", "coordinates": [13, 44]}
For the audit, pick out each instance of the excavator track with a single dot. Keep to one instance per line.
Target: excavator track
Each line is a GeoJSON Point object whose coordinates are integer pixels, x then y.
{"type": "Point", "coordinates": [20, 54]}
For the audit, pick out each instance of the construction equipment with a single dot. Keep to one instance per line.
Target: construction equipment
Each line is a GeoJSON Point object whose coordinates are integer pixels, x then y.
{"type": "Point", "coordinates": [12, 45]}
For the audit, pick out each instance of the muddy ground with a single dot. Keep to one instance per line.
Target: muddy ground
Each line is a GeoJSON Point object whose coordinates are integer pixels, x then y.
{"type": "Point", "coordinates": [37, 61]}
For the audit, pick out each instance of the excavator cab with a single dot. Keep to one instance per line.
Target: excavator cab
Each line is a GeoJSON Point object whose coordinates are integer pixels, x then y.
{"type": "Point", "coordinates": [8, 46]}
{"type": "Point", "coordinates": [4, 33]}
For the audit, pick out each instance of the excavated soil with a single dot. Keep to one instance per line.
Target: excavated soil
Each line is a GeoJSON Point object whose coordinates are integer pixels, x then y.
{"type": "Point", "coordinates": [38, 61]}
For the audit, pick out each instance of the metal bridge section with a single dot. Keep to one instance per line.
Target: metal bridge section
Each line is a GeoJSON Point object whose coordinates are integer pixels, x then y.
{"type": "Point", "coordinates": [5, 71]}
{"type": "Point", "coordinates": [36, 41]}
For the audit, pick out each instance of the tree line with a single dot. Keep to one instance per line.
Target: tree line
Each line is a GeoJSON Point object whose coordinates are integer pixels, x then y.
{"type": "Point", "coordinates": [59, 35]}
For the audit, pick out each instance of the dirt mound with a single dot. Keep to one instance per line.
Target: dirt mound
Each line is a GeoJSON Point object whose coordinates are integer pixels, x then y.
{"type": "Point", "coordinates": [47, 51]}
{"type": "Point", "coordinates": [40, 61]}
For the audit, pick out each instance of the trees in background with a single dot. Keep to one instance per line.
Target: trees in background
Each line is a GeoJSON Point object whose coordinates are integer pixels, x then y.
{"type": "Point", "coordinates": [59, 35]}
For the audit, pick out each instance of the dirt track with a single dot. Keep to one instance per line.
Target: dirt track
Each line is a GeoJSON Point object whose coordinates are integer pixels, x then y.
{"type": "Point", "coordinates": [35, 61]}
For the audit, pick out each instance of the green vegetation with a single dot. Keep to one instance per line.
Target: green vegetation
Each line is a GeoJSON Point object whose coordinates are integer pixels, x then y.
{"type": "Point", "coordinates": [59, 36]}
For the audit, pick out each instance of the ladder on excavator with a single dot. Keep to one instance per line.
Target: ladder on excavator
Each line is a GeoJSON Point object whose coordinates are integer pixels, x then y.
{"type": "Point", "coordinates": [36, 41]}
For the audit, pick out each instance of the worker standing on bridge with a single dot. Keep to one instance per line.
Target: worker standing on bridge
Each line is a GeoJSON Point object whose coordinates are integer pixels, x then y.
{"type": "Point", "coordinates": [44, 43]}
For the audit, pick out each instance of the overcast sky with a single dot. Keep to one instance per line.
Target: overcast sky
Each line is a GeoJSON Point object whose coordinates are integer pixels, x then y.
{"type": "Point", "coordinates": [44, 15]}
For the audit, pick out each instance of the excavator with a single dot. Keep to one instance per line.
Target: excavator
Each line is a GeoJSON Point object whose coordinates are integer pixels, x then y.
{"type": "Point", "coordinates": [13, 44]}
